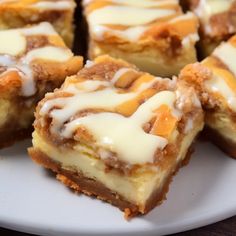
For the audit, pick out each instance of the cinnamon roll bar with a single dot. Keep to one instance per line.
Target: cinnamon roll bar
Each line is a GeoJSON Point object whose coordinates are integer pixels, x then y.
{"type": "Point", "coordinates": [117, 133]}
{"type": "Point", "coordinates": [33, 60]}
{"type": "Point", "coordinates": [215, 80]}
{"type": "Point", "coordinates": [217, 20]}
{"type": "Point", "coordinates": [155, 35]}
{"type": "Point", "coordinates": [19, 13]}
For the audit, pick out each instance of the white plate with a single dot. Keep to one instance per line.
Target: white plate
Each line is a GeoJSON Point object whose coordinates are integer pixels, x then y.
{"type": "Point", "coordinates": [31, 200]}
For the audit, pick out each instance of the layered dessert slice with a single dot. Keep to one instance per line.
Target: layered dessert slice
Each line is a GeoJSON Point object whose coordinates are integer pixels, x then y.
{"type": "Point", "coordinates": [117, 133]}
{"type": "Point", "coordinates": [155, 35]}
{"type": "Point", "coordinates": [19, 13]}
{"type": "Point", "coordinates": [215, 80]}
{"type": "Point", "coordinates": [217, 19]}
{"type": "Point", "coordinates": [33, 61]}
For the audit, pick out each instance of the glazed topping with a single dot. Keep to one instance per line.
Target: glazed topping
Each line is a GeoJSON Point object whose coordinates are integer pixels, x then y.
{"type": "Point", "coordinates": [147, 3]}
{"type": "Point", "coordinates": [223, 67]}
{"type": "Point", "coordinates": [57, 5]}
{"type": "Point", "coordinates": [208, 8]}
{"type": "Point", "coordinates": [19, 57]}
{"type": "Point", "coordinates": [40, 4]}
{"type": "Point", "coordinates": [8, 45]}
{"type": "Point", "coordinates": [131, 16]}
{"type": "Point", "coordinates": [138, 17]}
{"type": "Point", "coordinates": [114, 111]}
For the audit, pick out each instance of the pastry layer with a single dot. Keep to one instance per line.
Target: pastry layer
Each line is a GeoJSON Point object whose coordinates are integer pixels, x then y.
{"type": "Point", "coordinates": [215, 80]}
{"type": "Point", "coordinates": [149, 34]}
{"type": "Point", "coordinates": [217, 21]}
{"type": "Point", "coordinates": [89, 186]}
{"type": "Point", "coordinates": [122, 127]}
{"type": "Point", "coordinates": [37, 64]}
{"type": "Point", "coordinates": [18, 13]}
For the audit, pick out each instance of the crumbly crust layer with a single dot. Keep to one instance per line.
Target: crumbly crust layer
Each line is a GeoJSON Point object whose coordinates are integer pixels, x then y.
{"type": "Point", "coordinates": [223, 143]}
{"type": "Point", "coordinates": [80, 183]}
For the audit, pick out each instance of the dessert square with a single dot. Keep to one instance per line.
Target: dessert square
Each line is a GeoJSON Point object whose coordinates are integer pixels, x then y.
{"type": "Point", "coordinates": [33, 61]}
{"type": "Point", "coordinates": [217, 20]}
{"type": "Point", "coordinates": [215, 80]}
{"type": "Point", "coordinates": [155, 35]}
{"type": "Point", "coordinates": [18, 13]}
{"type": "Point", "coordinates": [117, 133]}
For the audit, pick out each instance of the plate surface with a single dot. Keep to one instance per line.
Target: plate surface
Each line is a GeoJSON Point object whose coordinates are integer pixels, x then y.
{"type": "Point", "coordinates": [31, 200]}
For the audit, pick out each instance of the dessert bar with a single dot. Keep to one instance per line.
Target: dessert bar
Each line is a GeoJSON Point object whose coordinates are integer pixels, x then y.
{"type": "Point", "coordinates": [215, 80]}
{"type": "Point", "coordinates": [19, 13]}
{"type": "Point", "coordinates": [33, 60]}
{"type": "Point", "coordinates": [117, 133]}
{"type": "Point", "coordinates": [155, 35]}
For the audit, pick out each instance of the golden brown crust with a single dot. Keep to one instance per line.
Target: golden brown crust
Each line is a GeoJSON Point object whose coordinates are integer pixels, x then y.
{"type": "Point", "coordinates": [223, 143]}
{"type": "Point", "coordinates": [80, 183]}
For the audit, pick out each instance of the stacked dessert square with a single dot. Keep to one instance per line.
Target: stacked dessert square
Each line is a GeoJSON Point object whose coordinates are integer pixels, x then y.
{"type": "Point", "coordinates": [155, 35]}
{"type": "Point", "coordinates": [15, 14]}
{"type": "Point", "coordinates": [33, 60]}
{"type": "Point", "coordinates": [117, 133]}
{"type": "Point", "coordinates": [217, 19]}
{"type": "Point", "coordinates": [215, 81]}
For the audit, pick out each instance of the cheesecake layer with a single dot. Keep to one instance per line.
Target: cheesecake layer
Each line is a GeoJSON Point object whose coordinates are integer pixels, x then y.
{"type": "Point", "coordinates": [136, 188]}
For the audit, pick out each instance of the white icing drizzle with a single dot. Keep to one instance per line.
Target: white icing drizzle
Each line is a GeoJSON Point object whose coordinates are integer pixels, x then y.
{"type": "Point", "coordinates": [131, 34]}
{"type": "Point", "coordinates": [219, 85]}
{"type": "Point", "coordinates": [146, 3]}
{"type": "Point", "coordinates": [190, 40]}
{"type": "Point", "coordinates": [89, 64]}
{"type": "Point", "coordinates": [50, 53]}
{"type": "Point", "coordinates": [135, 147]}
{"type": "Point", "coordinates": [189, 126]}
{"type": "Point", "coordinates": [9, 51]}
{"type": "Point", "coordinates": [226, 52]}
{"type": "Point", "coordinates": [107, 128]}
{"type": "Point", "coordinates": [43, 28]}
{"type": "Point", "coordinates": [208, 8]}
{"type": "Point", "coordinates": [8, 45]}
{"type": "Point", "coordinates": [28, 84]}
{"type": "Point", "coordinates": [136, 17]}
{"type": "Point", "coordinates": [53, 5]}
{"type": "Point", "coordinates": [6, 60]}
{"type": "Point", "coordinates": [104, 99]}
{"type": "Point", "coordinates": [119, 73]}
{"type": "Point", "coordinates": [131, 16]}
{"type": "Point", "coordinates": [88, 86]}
